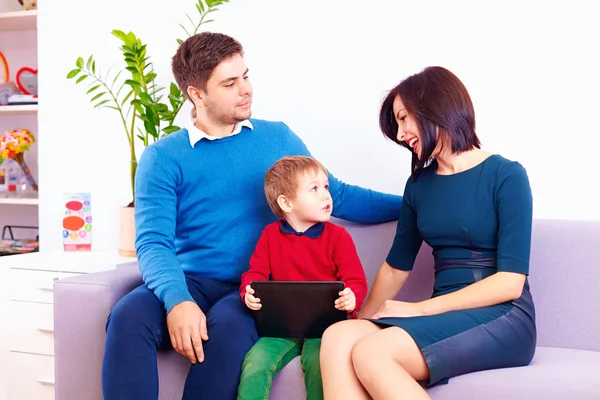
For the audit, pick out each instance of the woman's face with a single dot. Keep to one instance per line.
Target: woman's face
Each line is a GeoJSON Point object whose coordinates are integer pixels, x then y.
{"type": "Point", "coordinates": [408, 131]}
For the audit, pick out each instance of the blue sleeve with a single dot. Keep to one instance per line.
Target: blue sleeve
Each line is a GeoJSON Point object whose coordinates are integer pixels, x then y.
{"type": "Point", "coordinates": [155, 218]}
{"type": "Point", "coordinates": [407, 241]}
{"type": "Point", "coordinates": [354, 203]}
{"type": "Point", "coordinates": [514, 207]}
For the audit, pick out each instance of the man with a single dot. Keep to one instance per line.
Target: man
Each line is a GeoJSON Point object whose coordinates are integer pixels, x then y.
{"type": "Point", "coordinates": [200, 209]}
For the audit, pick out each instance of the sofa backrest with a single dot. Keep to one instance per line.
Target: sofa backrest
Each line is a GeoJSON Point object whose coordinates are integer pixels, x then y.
{"type": "Point", "coordinates": [564, 276]}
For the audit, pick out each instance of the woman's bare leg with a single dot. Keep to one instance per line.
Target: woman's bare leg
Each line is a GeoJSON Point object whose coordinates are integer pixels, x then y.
{"type": "Point", "coordinates": [389, 363]}
{"type": "Point", "coordinates": [339, 379]}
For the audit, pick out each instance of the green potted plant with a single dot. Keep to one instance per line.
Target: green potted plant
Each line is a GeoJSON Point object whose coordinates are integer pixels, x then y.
{"type": "Point", "coordinates": [146, 112]}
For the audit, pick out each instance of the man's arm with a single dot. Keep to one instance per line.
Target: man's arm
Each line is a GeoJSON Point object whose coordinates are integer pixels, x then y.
{"type": "Point", "coordinates": [354, 203]}
{"type": "Point", "coordinates": [155, 218]}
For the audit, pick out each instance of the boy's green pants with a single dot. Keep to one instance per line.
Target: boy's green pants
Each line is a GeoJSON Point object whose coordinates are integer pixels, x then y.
{"type": "Point", "coordinates": [269, 356]}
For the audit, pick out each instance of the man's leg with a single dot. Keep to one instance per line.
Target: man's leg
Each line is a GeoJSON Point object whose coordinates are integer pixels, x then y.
{"type": "Point", "coordinates": [136, 329]}
{"type": "Point", "coordinates": [312, 369]}
{"type": "Point", "coordinates": [264, 360]}
{"type": "Point", "coordinates": [231, 333]}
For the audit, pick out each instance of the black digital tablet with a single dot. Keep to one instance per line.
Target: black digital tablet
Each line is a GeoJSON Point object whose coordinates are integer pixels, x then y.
{"type": "Point", "coordinates": [292, 309]}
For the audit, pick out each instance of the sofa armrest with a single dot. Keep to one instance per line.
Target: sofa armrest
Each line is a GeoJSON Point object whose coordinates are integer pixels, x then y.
{"type": "Point", "coordinates": [81, 306]}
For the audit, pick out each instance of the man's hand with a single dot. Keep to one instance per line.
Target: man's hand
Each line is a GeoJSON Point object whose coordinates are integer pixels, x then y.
{"type": "Point", "coordinates": [187, 327]}
{"type": "Point", "coordinates": [252, 302]}
{"type": "Point", "coordinates": [346, 301]}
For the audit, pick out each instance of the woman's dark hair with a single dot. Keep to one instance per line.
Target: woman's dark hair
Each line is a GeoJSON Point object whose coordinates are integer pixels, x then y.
{"type": "Point", "coordinates": [439, 102]}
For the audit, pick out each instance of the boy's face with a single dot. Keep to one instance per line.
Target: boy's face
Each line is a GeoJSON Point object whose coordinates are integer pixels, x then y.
{"type": "Point", "coordinates": [312, 202]}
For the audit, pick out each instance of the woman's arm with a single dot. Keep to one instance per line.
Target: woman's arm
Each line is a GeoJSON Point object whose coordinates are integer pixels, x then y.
{"type": "Point", "coordinates": [388, 283]}
{"type": "Point", "coordinates": [495, 289]}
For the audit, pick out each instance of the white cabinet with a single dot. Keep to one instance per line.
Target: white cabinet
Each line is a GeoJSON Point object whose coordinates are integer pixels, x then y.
{"type": "Point", "coordinates": [27, 336]}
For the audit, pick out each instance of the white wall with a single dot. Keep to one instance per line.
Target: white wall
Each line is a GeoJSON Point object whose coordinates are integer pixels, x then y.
{"type": "Point", "coordinates": [531, 68]}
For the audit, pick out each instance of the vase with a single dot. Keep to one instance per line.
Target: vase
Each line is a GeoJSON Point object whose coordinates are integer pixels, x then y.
{"type": "Point", "coordinates": [127, 236]}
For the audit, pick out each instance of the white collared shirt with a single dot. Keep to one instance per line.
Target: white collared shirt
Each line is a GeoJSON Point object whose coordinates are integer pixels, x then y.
{"type": "Point", "coordinates": [196, 134]}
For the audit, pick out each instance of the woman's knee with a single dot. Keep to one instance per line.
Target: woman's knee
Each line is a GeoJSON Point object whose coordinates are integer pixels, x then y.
{"type": "Point", "coordinates": [346, 334]}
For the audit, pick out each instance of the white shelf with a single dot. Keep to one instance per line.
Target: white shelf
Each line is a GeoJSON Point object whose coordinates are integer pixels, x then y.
{"type": "Point", "coordinates": [19, 201]}
{"type": "Point", "coordinates": [19, 109]}
{"type": "Point", "coordinates": [18, 20]}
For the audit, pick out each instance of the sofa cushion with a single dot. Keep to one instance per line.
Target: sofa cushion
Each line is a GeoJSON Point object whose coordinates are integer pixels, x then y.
{"type": "Point", "coordinates": [554, 374]}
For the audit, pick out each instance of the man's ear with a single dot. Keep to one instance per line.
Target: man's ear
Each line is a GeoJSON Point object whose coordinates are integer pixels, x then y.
{"type": "Point", "coordinates": [197, 96]}
{"type": "Point", "coordinates": [284, 203]}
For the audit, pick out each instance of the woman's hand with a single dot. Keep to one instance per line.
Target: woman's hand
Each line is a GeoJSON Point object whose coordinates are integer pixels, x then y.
{"type": "Point", "coordinates": [393, 308]}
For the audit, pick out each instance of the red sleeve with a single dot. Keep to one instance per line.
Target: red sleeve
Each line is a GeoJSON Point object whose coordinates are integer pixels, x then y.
{"type": "Point", "coordinates": [260, 265]}
{"type": "Point", "coordinates": [349, 267]}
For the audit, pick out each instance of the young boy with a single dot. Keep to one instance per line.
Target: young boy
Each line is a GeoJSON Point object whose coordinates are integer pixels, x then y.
{"type": "Point", "coordinates": [302, 245]}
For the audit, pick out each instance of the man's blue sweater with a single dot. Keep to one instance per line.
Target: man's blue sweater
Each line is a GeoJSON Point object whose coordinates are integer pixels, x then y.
{"type": "Point", "coordinates": [200, 210]}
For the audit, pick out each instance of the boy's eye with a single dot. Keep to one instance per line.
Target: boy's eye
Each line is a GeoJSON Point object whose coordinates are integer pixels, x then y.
{"type": "Point", "coordinates": [314, 189]}
{"type": "Point", "coordinates": [326, 187]}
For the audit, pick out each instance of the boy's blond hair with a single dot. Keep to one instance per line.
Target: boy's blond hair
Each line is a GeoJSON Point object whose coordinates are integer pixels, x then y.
{"type": "Point", "coordinates": [282, 179]}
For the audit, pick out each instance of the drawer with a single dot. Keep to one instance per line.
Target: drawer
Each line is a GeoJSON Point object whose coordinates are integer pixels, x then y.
{"type": "Point", "coordinates": [31, 327]}
{"type": "Point", "coordinates": [30, 377]}
{"type": "Point", "coordinates": [31, 285]}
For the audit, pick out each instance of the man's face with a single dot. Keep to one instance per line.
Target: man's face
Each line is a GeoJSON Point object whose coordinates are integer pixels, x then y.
{"type": "Point", "coordinates": [228, 95]}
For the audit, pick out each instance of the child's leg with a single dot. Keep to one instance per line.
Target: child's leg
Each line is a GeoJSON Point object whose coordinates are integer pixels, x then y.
{"type": "Point", "coordinates": [312, 369]}
{"type": "Point", "coordinates": [267, 357]}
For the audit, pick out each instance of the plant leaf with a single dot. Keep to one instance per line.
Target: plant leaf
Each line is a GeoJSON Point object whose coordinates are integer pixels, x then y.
{"type": "Point", "coordinates": [79, 63]}
{"type": "Point", "coordinates": [190, 19]}
{"type": "Point", "coordinates": [101, 103]}
{"type": "Point", "coordinates": [152, 117]}
{"type": "Point", "coordinates": [132, 83]}
{"type": "Point", "coordinates": [94, 67]}
{"type": "Point", "coordinates": [170, 129]}
{"type": "Point", "coordinates": [184, 29]}
{"type": "Point", "coordinates": [96, 97]}
{"type": "Point", "coordinates": [119, 34]}
{"type": "Point", "coordinates": [81, 78]}
{"type": "Point", "coordinates": [150, 128]}
{"type": "Point", "coordinates": [126, 97]}
{"type": "Point", "coordinates": [93, 88]}
{"type": "Point", "coordinates": [89, 62]}
{"type": "Point", "coordinates": [150, 77]}
{"type": "Point", "coordinates": [116, 77]}
{"type": "Point", "coordinates": [180, 42]}
{"type": "Point", "coordinates": [73, 73]}
{"type": "Point", "coordinates": [146, 99]}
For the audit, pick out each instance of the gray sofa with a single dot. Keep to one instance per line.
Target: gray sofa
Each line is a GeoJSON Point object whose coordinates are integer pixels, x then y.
{"type": "Point", "coordinates": [565, 275]}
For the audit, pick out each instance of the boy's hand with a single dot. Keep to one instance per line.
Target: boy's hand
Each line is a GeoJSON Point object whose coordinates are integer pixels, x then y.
{"type": "Point", "coordinates": [347, 300]}
{"type": "Point", "coordinates": [252, 302]}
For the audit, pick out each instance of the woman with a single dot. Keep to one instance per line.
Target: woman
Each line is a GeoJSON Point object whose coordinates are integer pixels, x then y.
{"type": "Point", "coordinates": [475, 211]}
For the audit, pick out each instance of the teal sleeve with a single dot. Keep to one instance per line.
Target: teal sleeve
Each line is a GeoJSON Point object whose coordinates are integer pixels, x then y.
{"type": "Point", "coordinates": [407, 241]}
{"type": "Point", "coordinates": [354, 203]}
{"type": "Point", "coordinates": [514, 207]}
